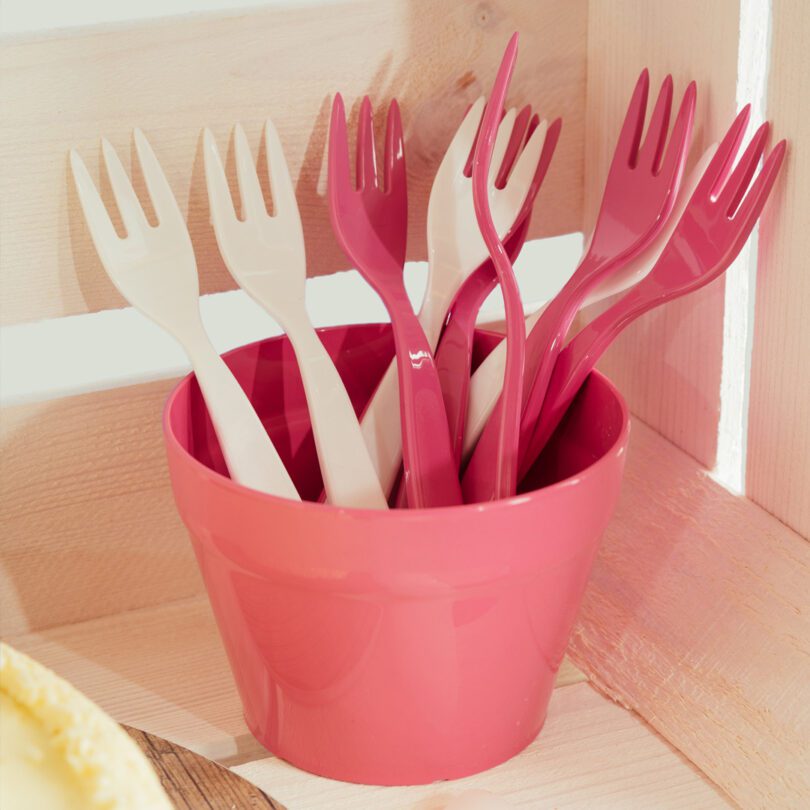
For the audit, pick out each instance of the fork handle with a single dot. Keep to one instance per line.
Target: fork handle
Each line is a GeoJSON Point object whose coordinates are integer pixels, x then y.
{"type": "Point", "coordinates": [381, 423]}
{"type": "Point", "coordinates": [576, 361]}
{"type": "Point", "coordinates": [346, 466]}
{"type": "Point", "coordinates": [252, 459]}
{"type": "Point", "coordinates": [430, 471]}
{"type": "Point", "coordinates": [543, 344]}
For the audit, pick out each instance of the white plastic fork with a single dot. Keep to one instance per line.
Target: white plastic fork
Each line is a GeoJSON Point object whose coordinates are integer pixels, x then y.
{"type": "Point", "coordinates": [266, 256]}
{"type": "Point", "coordinates": [487, 381]}
{"type": "Point", "coordinates": [455, 249]}
{"type": "Point", "coordinates": [154, 268]}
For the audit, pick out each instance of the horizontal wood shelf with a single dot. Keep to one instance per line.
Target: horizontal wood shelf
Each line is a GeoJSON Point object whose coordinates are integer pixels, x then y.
{"type": "Point", "coordinates": [163, 669]}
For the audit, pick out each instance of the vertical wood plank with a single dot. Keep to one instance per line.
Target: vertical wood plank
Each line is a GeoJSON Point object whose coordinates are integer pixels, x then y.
{"type": "Point", "coordinates": [778, 474]}
{"type": "Point", "coordinates": [668, 363]}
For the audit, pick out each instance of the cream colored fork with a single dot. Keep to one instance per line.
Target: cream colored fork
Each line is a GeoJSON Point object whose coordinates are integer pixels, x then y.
{"type": "Point", "coordinates": [153, 267]}
{"type": "Point", "coordinates": [455, 249]}
{"type": "Point", "coordinates": [265, 254]}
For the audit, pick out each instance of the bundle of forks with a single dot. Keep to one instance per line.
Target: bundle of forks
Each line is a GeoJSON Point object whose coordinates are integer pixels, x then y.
{"type": "Point", "coordinates": [435, 434]}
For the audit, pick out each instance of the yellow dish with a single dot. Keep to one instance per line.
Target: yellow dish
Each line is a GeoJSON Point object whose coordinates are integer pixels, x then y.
{"type": "Point", "coordinates": [59, 751]}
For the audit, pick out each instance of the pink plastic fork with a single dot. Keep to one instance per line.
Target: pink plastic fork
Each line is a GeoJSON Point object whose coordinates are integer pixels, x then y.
{"type": "Point", "coordinates": [370, 223]}
{"type": "Point", "coordinates": [454, 354]}
{"type": "Point", "coordinates": [639, 195]}
{"type": "Point", "coordinates": [506, 460]}
{"type": "Point", "coordinates": [717, 221]}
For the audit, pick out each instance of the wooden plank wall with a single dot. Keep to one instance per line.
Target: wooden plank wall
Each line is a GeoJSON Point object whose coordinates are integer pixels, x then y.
{"type": "Point", "coordinates": [89, 525]}
{"type": "Point", "coordinates": [173, 77]}
{"type": "Point", "coordinates": [668, 363]}
{"type": "Point", "coordinates": [779, 437]}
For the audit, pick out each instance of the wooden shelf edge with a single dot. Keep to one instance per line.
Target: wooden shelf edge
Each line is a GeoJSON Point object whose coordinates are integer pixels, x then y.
{"type": "Point", "coordinates": [591, 753]}
{"type": "Point", "coordinates": [697, 616]}
{"type": "Point", "coordinates": [162, 669]}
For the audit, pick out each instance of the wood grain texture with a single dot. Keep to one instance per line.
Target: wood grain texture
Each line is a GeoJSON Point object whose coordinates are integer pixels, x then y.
{"type": "Point", "coordinates": [89, 526]}
{"type": "Point", "coordinates": [778, 470]}
{"type": "Point", "coordinates": [173, 77]}
{"type": "Point", "coordinates": [668, 363]}
{"type": "Point", "coordinates": [163, 669]}
{"type": "Point", "coordinates": [697, 616]}
{"type": "Point", "coordinates": [591, 753]}
{"type": "Point", "coordinates": [193, 782]}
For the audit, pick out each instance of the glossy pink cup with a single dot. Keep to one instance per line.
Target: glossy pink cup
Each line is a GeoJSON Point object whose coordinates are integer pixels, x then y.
{"type": "Point", "coordinates": [397, 647]}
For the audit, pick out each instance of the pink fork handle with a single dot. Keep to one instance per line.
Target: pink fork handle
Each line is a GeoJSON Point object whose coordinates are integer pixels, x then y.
{"type": "Point", "coordinates": [454, 355]}
{"type": "Point", "coordinates": [542, 347]}
{"type": "Point", "coordinates": [431, 478]}
{"type": "Point", "coordinates": [575, 362]}
{"type": "Point", "coordinates": [508, 424]}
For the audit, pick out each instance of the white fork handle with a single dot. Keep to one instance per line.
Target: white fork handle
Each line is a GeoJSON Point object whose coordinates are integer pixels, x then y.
{"type": "Point", "coordinates": [381, 426]}
{"type": "Point", "coordinates": [348, 472]}
{"type": "Point", "coordinates": [485, 389]}
{"type": "Point", "coordinates": [251, 457]}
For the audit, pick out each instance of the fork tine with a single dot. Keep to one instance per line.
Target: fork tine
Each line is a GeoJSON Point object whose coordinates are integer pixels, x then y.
{"type": "Point", "coordinates": [751, 206]}
{"type": "Point", "coordinates": [525, 171]}
{"type": "Point", "coordinates": [219, 195]}
{"type": "Point", "coordinates": [95, 213]}
{"type": "Point", "coordinates": [725, 154]}
{"type": "Point", "coordinates": [630, 135]}
{"type": "Point", "coordinates": [517, 141]}
{"type": "Point", "coordinates": [653, 148]}
{"type": "Point", "coordinates": [160, 192]}
{"type": "Point", "coordinates": [502, 138]}
{"type": "Point", "coordinates": [459, 152]}
{"type": "Point", "coordinates": [395, 178]}
{"type": "Point", "coordinates": [549, 145]}
{"type": "Point", "coordinates": [737, 184]}
{"type": "Point", "coordinates": [125, 198]}
{"type": "Point", "coordinates": [366, 159]}
{"type": "Point", "coordinates": [671, 163]}
{"type": "Point", "coordinates": [338, 160]}
{"type": "Point", "coordinates": [281, 184]}
{"type": "Point", "coordinates": [250, 191]}
{"type": "Point", "coordinates": [471, 156]}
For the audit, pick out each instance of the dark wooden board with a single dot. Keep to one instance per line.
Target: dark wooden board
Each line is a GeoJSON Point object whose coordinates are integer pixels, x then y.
{"type": "Point", "coordinates": [196, 783]}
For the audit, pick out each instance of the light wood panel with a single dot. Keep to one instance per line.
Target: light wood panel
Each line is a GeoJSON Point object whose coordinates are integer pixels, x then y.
{"type": "Point", "coordinates": [779, 436]}
{"type": "Point", "coordinates": [163, 669]}
{"type": "Point", "coordinates": [88, 520]}
{"type": "Point", "coordinates": [173, 77]}
{"type": "Point", "coordinates": [591, 754]}
{"type": "Point", "coordinates": [697, 616]}
{"type": "Point", "coordinates": [667, 364]}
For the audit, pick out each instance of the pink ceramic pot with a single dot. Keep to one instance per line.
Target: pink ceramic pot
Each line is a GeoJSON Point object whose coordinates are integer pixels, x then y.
{"type": "Point", "coordinates": [397, 647]}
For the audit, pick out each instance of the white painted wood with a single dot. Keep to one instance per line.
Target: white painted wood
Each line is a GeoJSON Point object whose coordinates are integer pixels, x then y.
{"type": "Point", "coordinates": [30, 16]}
{"type": "Point", "coordinates": [753, 60]}
{"type": "Point", "coordinates": [101, 350]}
{"type": "Point", "coordinates": [778, 475]}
